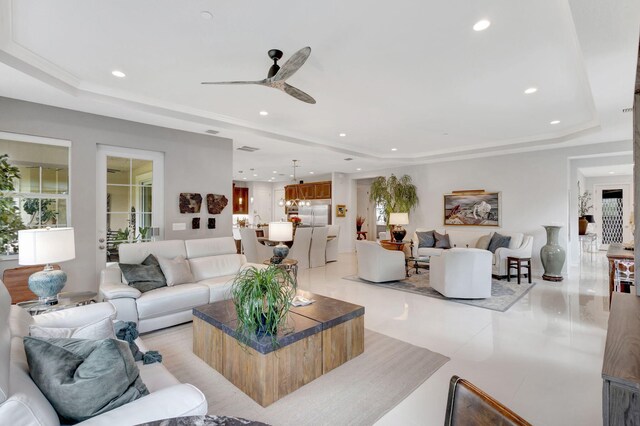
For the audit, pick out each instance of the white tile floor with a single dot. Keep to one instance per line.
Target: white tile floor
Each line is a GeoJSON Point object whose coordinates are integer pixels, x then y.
{"type": "Point", "coordinates": [542, 358]}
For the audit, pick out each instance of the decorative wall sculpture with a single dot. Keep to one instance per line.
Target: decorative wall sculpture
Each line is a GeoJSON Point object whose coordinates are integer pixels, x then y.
{"type": "Point", "coordinates": [472, 208]}
{"type": "Point", "coordinates": [211, 223]}
{"type": "Point", "coordinates": [216, 203]}
{"type": "Point", "coordinates": [195, 223]}
{"type": "Point", "coordinates": [190, 202]}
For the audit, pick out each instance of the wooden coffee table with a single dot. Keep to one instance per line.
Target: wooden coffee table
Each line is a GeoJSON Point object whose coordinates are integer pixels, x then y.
{"type": "Point", "coordinates": [320, 337]}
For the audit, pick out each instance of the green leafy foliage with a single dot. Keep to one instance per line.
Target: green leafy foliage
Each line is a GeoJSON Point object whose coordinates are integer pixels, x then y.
{"type": "Point", "coordinates": [10, 221]}
{"type": "Point", "coordinates": [262, 298]}
{"type": "Point", "coordinates": [395, 195]}
{"type": "Point", "coordinates": [40, 211]}
{"type": "Point", "coordinates": [583, 202]}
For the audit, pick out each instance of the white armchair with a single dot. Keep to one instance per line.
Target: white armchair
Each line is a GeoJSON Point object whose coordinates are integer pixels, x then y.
{"type": "Point", "coordinates": [377, 264]}
{"type": "Point", "coordinates": [462, 273]}
{"type": "Point", "coordinates": [22, 403]}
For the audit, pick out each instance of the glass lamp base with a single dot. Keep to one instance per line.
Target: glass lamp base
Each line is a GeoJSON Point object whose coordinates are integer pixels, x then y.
{"type": "Point", "coordinates": [47, 284]}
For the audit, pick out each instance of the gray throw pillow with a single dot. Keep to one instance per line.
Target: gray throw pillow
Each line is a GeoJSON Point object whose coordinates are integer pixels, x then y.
{"type": "Point", "coordinates": [176, 270]}
{"type": "Point", "coordinates": [442, 241]}
{"type": "Point", "coordinates": [483, 242]}
{"type": "Point", "coordinates": [498, 241]}
{"type": "Point", "coordinates": [146, 276]}
{"type": "Point", "coordinates": [426, 239]}
{"type": "Point", "coordinates": [84, 378]}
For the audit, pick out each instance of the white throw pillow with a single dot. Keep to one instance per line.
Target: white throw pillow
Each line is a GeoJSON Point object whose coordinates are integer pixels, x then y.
{"type": "Point", "coordinates": [176, 270]}
{"type": "Point", "coordinates": [102, 329]}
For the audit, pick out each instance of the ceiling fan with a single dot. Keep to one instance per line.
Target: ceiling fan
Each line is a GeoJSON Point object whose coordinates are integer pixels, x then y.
{"type": "Point", "coordinates": [277, 76]}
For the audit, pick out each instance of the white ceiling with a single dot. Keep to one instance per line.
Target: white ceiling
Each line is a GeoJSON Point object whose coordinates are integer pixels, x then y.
{"type": "Point", "coordinates": [616, 170]}
{"type": "Point", "coordinates": [414, 76]}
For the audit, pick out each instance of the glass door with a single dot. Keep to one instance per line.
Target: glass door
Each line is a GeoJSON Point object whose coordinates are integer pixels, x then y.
{"type": "Point", "coordinates": [130, 205]}
{"type": "Point", "coordinates": [613, 214]}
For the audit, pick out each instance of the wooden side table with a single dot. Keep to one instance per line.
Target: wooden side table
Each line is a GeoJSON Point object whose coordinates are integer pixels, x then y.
{"type": "Point", "coordinates": [362, 235]}
{"type": "Point", "coordinates": [519, 263]}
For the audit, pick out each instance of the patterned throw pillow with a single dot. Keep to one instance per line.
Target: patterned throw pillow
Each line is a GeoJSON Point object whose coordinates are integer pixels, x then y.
{"type": "Point", "coordinates": [498, 241]}
{"type": "Point", "coordinates": [442, 241]}
{"type": "Point", "coordinates": [426, 239]}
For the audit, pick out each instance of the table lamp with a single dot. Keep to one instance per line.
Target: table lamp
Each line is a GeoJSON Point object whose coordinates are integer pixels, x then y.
{"type": "Point", "coordinates": [280, 231]}
{"type": "Point", "coordinates": [46, 246]}
{"type": "Point", "coordinates": [396, 220]}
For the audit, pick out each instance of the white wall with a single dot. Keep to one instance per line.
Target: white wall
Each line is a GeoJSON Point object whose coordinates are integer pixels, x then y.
{"type": "Point", "coordinates": [344, 191]}
{"type": "Point", "coordinates": [193, 163]}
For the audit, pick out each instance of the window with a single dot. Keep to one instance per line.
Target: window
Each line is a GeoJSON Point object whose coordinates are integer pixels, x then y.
{"type": "Point", "coordinates": [34, 191]}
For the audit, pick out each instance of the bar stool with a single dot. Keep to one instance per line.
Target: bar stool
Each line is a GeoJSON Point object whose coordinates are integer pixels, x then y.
{"type": "Point", "coordinates": [519, 263]}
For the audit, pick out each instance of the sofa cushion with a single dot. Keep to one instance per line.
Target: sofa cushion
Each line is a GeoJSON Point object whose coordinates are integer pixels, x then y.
{"type": "Point", "coordinates": [145, 276]}
{"type": "Point", "coordinates": [426, 239]}
{"type": "Point", "coordinates": [19, 321]}
{"type": "Point", "coordinates": [215, 266]}
{"type": "Point", "coordinates": [169, 300]}
{"type": "Point", "coordinates": [137, 252]}
{"type": "Point", "coordinates": [429, 251]}
{"type": "Point", "coordinates": [101, 329]}
{"type": "Point", "coordinates": [210, 247]}
{"type": "Point", "coordinates": [176, 270]}
{"type": "Point", "coordinates": [219, 287]}
{"type": "Point", "coordinates": [498, 241]}
{"type": "Point", "coordinates": [84, 378]}
{"type": "Point", "coordinates": [26, 405]}
{"type": "Point", "coordinates": [516, 239]}
{"type": "Point", "coordinates": [483, 242]}
{"type": "Point", "coordinates": [442, 241]}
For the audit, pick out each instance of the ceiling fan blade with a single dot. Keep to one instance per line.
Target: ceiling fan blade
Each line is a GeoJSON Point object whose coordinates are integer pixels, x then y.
{"type": "Point", "coordinates": [261, 82]}
{"type": "Point", "coordinates": [293, 64]}
{"type": "Point", "coordinates": [298, 94]}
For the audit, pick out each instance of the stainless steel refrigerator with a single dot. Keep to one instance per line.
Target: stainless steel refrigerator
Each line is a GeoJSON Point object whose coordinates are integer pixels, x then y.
{"type": "Point", "coordinates": [317, 214]}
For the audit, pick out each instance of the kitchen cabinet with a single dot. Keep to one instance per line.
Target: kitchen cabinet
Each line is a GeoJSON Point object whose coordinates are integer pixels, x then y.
{"type": "Point", "coordinates": [323, 190]}
{"type": "Point", "coordinates": [308, 191]}
{"type": "Point", "coordinates": [240, 200]}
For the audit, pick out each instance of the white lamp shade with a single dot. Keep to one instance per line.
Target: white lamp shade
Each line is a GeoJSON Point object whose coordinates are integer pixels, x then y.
{"type": "Point", "coordinates": [399, 219]}
{"type": "Point", "coordinates": [280, 231]}
{"type": "Point", "coordinates": [42, 246]}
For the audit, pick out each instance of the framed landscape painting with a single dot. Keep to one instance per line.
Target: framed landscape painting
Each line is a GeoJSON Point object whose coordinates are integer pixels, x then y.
{"type": "Point", "coordinates": [480, 209]}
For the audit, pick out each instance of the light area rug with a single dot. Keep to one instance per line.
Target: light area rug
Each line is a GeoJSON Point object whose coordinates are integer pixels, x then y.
{"type": "Point", "coordinates": [358, 392]}
{"type": "Point", "coordinates": [504, 294]}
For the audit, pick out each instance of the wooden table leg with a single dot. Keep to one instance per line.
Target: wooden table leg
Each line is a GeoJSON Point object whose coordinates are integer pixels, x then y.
{"type": "Point", "coordinates": [519, 270]}
{"type": "Point", "coordinates": [611, 280]}
{"type": "Point", "coordinates": [529, 270]}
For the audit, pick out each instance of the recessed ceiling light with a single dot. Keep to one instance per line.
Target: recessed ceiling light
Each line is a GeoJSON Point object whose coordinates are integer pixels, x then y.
{"type": "Point", "coordinates": [290, 175]}
{"type": "Point", "coordinates": [244, 178]}
{"type": "Point", "coordinates": [206, 15]}
{"type": "Point", "coordinates": [531, 90]}
{"type": "Point", "coordinates": [358, 169]}
{"type": "Point", "coordinates": [394, 149]}
{"type": "Point", "coordinates": [310, 173]}
{"type": "Point", "coordinates": [274, 171]}
{"type": "Point", "coordinates": [611, 173]}
{"type": "Point", "coordinates": [264, 113]}
{"type": "Point", "coordinates": [554, 122]}
{"type": "Point", "coordinates": [481, 25]}
{"type": "Point", "coordinates": [118, 73]}
{"type": "Point", "coordinates": [255, 175]}
{"type": "Point", "coordinates": [342, 135]}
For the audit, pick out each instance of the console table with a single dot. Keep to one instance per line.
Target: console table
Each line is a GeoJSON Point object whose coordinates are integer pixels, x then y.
{"type": "Point", "coordinates": [621, 365]}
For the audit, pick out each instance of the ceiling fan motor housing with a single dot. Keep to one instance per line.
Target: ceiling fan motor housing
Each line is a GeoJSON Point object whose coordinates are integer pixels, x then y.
{"type": "Point", "coordinates": [274, 54]}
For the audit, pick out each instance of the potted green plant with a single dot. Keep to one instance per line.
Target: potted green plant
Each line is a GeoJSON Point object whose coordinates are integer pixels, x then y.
{"type": "Point", "coordinates": [583, 209]}
{"type": "Point", "coordinates": [10, 220]}
{"type": "Point", "coordinates": [262, 298]}
{"type": "Point", "coordinates": [394, 195]}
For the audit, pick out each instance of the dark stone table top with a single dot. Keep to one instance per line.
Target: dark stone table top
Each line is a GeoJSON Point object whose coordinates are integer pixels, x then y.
{"type": "Point", "coordinates": [301, 322]}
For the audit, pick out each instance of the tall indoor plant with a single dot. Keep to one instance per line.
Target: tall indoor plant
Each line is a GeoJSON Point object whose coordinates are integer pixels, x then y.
{"type": "Point", "coordinates": [10, 220]}
{"type": "Point", "coordinates": [583, 209]}
{"type": "Point", "coordinates": [394, 195]}
{"type": "Point", "coordinates": [262, 298]}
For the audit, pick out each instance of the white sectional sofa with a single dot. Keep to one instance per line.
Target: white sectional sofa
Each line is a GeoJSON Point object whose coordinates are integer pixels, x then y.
{"type": "Point", "coordinates": [214, 263]}
{"type": "Point", "coordinates": [520, 246]}
{"type": "Point", "coordinates": [22, 402]}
